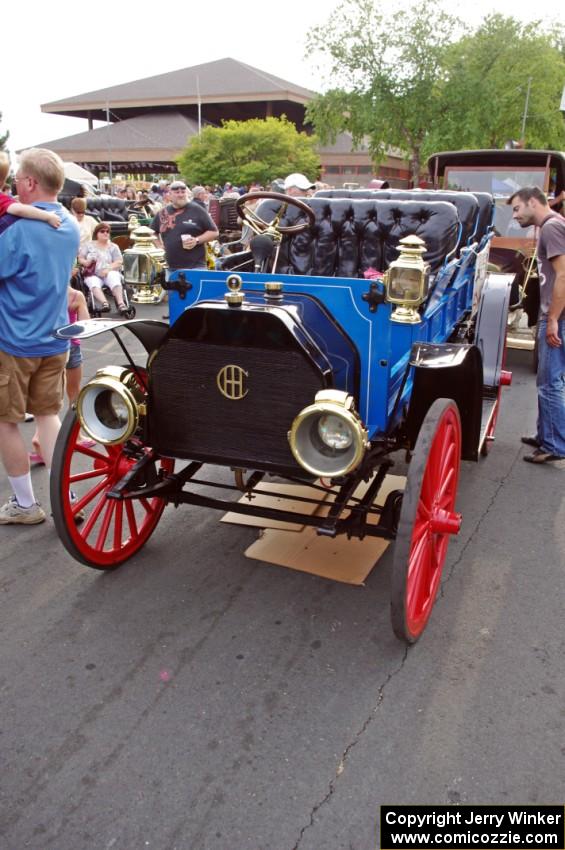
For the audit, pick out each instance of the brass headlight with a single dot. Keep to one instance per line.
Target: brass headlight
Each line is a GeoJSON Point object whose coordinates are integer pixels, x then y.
{"type": "Point", "coordinates": [109, 406]}
{"type": "Point", "coordinates": [406, 280]}
{"type": "Point", "coordinates": [144, 265]}
{"type": "Point", "coordinates": [328, 438]}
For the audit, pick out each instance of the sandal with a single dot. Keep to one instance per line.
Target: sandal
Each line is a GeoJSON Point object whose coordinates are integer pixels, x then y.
{"type": "Point", "coordinates": [35, 457]}
{"type": "Point", "coordinates": [541, 456]}
{"type": "Point", "coordinates": [105, 307]}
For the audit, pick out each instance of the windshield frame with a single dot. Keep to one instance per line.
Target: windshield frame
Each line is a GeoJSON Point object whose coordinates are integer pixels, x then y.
{"type": "Point", "coordinates": [503, 223]}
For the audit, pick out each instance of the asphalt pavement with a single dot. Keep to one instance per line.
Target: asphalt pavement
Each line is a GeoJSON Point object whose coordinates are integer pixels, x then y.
{"type": "Point", "coordinates": [195, 699]}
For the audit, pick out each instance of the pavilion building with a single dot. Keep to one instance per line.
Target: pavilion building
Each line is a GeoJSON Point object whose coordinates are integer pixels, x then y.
{"type": "Point", "coordinates": [149, 122]}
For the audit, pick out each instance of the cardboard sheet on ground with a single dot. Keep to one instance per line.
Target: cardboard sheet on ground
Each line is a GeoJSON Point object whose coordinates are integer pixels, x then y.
{"type": "Point", "coordinates": [339, 559]}
{"type": "Point", "coordinates": [272, 501]}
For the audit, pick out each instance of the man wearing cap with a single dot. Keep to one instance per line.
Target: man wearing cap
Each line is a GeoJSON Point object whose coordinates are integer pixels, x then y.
{"type": "Point", "coordinates": [298, 186]}
{"type": "Point", "coordinates": [183, 228]}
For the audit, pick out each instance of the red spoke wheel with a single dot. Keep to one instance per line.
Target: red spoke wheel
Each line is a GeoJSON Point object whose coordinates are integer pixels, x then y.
{"type": "Point", "coordinates": [98, 531]}
{"type": "Point", "coordinates": [427, 519]}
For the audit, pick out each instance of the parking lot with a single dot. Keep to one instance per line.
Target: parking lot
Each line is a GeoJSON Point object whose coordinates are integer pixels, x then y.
{"type": "Point", "coordinates": [195, 698]}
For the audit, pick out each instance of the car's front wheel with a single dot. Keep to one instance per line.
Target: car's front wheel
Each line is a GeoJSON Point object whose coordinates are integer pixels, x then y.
{"type": "Point", "coordinates": [99, 531]}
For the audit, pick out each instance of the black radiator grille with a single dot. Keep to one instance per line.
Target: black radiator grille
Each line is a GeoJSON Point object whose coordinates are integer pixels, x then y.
{"type": "Point", "coordinates": [189, 417]}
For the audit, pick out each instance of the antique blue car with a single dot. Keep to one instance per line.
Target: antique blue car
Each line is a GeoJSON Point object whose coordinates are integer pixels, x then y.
{"type": "Point", "coordinates": [353, 329]}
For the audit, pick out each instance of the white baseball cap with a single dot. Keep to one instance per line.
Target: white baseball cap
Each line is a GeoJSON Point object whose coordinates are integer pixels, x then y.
{"type": "Point", "coordinates": [300, 181]}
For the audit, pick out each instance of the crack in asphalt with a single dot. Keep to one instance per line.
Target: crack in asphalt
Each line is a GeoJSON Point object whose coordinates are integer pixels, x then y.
{"type": "Point", "coordinates": [341, 766]}
{"type": "Point", "coordinates": [478, 524]}
{"type": "Point", "coordinates": [349, 748]}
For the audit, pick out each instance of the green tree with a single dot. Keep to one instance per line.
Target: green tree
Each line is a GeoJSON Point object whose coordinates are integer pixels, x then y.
{"type": "Point", "coordinates": [3, 137]}
{"type": "Point", "coordinates": [243, 152]}
{"type": "Point", "coordinates": [502, 82]}
{"type": "Point", "coordinates": [388, 63]}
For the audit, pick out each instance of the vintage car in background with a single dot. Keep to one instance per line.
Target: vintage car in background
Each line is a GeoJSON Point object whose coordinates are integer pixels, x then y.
{"type": "Point", "coordinates": [503, 172]}
{"type": "Point", "coordinates": [355, 333]}
{"type": "Point", "coordinates": [117, 212]}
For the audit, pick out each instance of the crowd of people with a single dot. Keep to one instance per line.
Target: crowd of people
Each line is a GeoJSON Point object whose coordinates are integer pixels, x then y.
{"type": "Point", "coordinates": [185, 219]}
{"type": "Point", "coordinates": [159, 194]}
{"type": "Point", "coordinates": [41, 243]}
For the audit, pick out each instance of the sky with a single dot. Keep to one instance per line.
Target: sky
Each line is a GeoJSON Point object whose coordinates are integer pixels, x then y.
{"type": "Point", "coordinates": [60, 49]}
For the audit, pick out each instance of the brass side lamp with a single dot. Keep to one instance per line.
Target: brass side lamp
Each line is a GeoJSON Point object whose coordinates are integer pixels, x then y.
{"type": "Point", "coordinates": [234, 296]}
{"type": "Point", "coordinates": [144, 266]}
{"type": "Point", "coordinates": [407, 280]}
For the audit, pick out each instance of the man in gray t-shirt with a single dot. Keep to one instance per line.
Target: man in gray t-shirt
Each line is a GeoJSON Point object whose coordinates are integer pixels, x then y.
{"type": "Point", "coordinates": [551, 246]}
{"type": "Point", "coordinates": [529, 206]}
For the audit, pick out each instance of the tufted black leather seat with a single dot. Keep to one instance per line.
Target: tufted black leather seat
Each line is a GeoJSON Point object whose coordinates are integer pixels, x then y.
{"type": "Point", "coordinates": [475, 209]}
{"type": "Point", "coordinates": [107, 209]}
{"type": "Point", "coordinates": [486, 213]}
{"type": "Point", "coordinates": [351, 236]}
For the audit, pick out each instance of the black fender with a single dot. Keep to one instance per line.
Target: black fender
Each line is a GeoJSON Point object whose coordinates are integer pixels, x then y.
{"type": "Point", "coordinates": [453, 371]}
{"type": "Point", "coordinates": [149, 332]}
{"type": "Point", "coordinates": [491, 325]}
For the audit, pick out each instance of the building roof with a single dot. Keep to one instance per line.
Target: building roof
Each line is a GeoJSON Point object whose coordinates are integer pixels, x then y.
{"type": "Point", "coordinates": [157, 137]}
{"type": "Point", "coordinates": [343, 143]}
{"type": "Point", "coordinates": [153, 141]}
{"type": "Point", "coordinates": [165, 131]}
{"type": "Point", "coordinates": [221, 81]}
{"type": "Point", "coordinates": [154, 118]}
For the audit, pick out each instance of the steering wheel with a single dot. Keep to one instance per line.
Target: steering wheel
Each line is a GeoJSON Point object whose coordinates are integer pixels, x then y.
{"type": "Point", "coordinates": [259, 225]}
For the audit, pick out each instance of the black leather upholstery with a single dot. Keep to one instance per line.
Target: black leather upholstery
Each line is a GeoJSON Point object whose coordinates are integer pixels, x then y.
{"type": "Point", "coordinates": [486, 213]}
{"type": "Point", "coordinates": [349, 237]}
{"type": "Point", "coordinates": [475, 209]}
{"type": "Point", "coordinates": [107, 209]}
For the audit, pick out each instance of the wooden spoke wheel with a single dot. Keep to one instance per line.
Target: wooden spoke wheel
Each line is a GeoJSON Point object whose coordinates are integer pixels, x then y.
{"type": "Point", "coordinates": [427, 519]}
{"type": "Point", "coordinates": [96, 530]}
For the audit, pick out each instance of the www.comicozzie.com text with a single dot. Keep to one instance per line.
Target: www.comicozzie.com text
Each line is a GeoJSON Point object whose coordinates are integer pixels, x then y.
{"type": "Point", "coordinates": [455, 818]}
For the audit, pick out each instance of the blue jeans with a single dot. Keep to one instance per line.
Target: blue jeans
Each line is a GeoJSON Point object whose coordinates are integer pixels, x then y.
{"type": "Point", "coordinates": [551, 391]}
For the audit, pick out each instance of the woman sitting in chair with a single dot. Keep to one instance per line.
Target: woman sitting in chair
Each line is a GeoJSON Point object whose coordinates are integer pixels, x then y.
{"type": "Point", "coordinates": [102, 261]}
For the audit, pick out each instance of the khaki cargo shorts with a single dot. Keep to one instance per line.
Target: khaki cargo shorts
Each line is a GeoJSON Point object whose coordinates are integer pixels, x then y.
{"type": "Point", "coordinates": [32, 384]}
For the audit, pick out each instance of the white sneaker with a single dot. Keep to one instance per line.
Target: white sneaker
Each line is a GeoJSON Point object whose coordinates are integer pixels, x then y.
{"type": "Point", "coordinates": [29, 417]}
{"type": "Point", "coordinates": [12, 513]}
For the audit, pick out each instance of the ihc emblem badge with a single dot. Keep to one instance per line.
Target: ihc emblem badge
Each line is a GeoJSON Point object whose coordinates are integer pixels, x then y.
{"type": "Point", "coordinates": [231, 382]}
